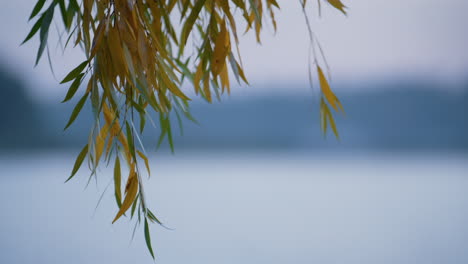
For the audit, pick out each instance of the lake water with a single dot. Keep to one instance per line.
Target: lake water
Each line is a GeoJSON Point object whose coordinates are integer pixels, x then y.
{"type": "Point", "coordinates": [243, 208]}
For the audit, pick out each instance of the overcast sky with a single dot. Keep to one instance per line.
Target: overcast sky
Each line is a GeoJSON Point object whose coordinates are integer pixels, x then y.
{"type": "Point", "coordinates": [378, 39]}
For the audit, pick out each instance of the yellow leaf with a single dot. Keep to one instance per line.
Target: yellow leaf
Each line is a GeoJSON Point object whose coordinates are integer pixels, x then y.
{"type": "Point", "coordinates": [327, 117]}
{"type": "Point", "coordinates": [116, 51]}
{"type": "Point", "coordinates": [198, 76]}
{"type": "Point", "coordinates": [131, 193]}
{"type": "Point", "coordinates": [113, 123]}
{"type": "Point", "coordinates": [127, 35]}
{"type": "Point", "coordinates": [98, 37]}
{"type": "Point", "coordinates": [332, 124]}
{"type": "Point", "coordinates": [206, 89]}
{"type": "Point", "coordinates": [258, 29]}
{"type": "Point", "coordinates": [111, 120]}
{"type": "Point", "coordinates": [220, 51]}
{"type": "Point", "coordinates": [272, 15]}
{"type": "Point", "coordinates": [90, 84]}
{"type": "Point", "coordinates": [100, 141]}
{"type": "Point", "coordinates": [225, 79]}
{"type": "Point", "coordinates": [338, 5]}
{"type": "Point", "coordinates": [143, 50]}
{"type": "Point", "coordinates": [146, 161]}
{"type": "Point", "coordinates": [327, 92]}
{"type": "Point", "coordinates": [172, 87]}
{"type": "Point", "coordinates": [323, 117]}
{"type": "Point", "coordinates": [340, 106]}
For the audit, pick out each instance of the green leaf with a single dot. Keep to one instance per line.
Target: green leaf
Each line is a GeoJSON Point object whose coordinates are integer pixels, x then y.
{"type": "Point", "coordinates": [70, 14]}
{"type": "Point", "coordinates": [73, 88]}
{"type": "Point", "coordinates": [131, 145]}
{"type": "Point", "coordinates": [137, 106]}
{"type": "Point", "coordinates": [165, 129]}
{"type": "Point", "coordinates": [44, 33]}
{"type": "Point", "coordinates": [135, 202]}
{"type": "Point", "coordinates": [75, 72]}
{"type": "Point", "coordinates": [118, 182]}
{"type": "Point", "coordinates": [153, 218]}
{"type": "Point", "coordinates": [73, 8]}
{"type": "Point", "coordinates": [63, 11]}
{"type": "Point", "coordinates": [167, 21]}
{"type": "Point", "coordinates": [169, 135]}
{"type": "Point", "coordinates": [78, 162]}
{"type": "Point", "coordinates": [95, 99]}
{"type": "Point", "coordinates": [37, 8]}
{"type": "Point", "coordinates": [40, 51]}
{"type": "Point", "coordinates": [48, 16]}
{"type": "Point", "coordinates": [142, 122]}
{"type": "Point", "coordinates": [190, 22]}
{"type": "Point", "coordinates": [76, 110]}
{"type": "Point", "coordinates": [236, 69]}
{"type": "Point", "coordinates": [148, 97]}
{"type": "Point", "coordinates": [34, 29]}
{"type": "Point", "coordinates": [74, 4]}
{"type": "Point", "coordinates": [148, 238]}
{"type": "Point", "coordinates": [142, 115]}
{"type": "Point", "coordinates": [179, 121]}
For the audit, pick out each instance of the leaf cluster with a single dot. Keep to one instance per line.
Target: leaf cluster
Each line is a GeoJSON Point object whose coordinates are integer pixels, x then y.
{"type": "Point", "coordinates": [138, 55]}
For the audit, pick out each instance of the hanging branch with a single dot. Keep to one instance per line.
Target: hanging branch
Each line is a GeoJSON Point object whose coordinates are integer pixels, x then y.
{"type": "Point", "coordinates": [135, 65]}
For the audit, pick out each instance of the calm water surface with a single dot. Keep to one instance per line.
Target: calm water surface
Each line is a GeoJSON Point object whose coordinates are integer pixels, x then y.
{"type": "Point", "coordinates": [243, 208]}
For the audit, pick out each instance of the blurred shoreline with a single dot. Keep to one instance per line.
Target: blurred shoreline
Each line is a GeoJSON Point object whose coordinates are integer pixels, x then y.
{"type": "Point", "coordinates": [400, 116]}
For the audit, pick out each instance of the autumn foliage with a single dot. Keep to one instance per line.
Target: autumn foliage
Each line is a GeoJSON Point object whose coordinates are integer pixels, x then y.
{"type": "Point", "coordinates": [138, 55]}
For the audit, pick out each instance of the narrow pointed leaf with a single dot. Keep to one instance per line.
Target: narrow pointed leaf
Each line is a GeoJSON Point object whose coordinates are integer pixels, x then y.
{"type": "Point", "coordinates": [130, 196]}
{"type": "Point", "coordinates": [148, 238]}
{"type": "Point", "coordinates": [191, 21]}
{"type": "Point", "coordinates": [63, 12]}
{"type": "Point", "coordinates": [338, 5]}
{"type": "Point", "coordinates": [44, 33]}
{"type": "Point", "coordinates": [146, 161]}
{"type": "Point", "coordinates": [131, 144]}
{"type": "Point", "coordinates": [75, 72]}
{"type": "Point", "coordinates": [77, 110]}
{"type": "Point", "coordinates": [73, 88]}
{"type": "Point", "coordinates": [37, 8]}
{"type": "Point", "coordinates": [134, 206]}
{"type": "Point", "coordinates": [78, 162]}
{"type": "Point", "coordinates": [34, 29]}
{"type": "Point", "coordinates": [326, 90]}
{"type": "Point", "coordinates": [117, 182]}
